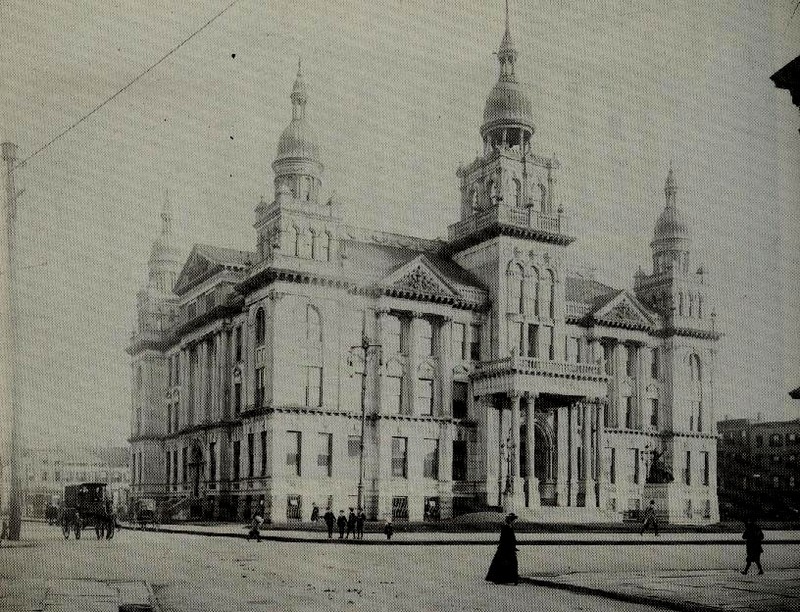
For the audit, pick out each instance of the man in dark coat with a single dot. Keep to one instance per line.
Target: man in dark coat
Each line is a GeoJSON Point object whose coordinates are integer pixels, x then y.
{"type": "Point", "coordinates": [329, 519]}
{"type": "Point", "coordinates": [351, 524]}
{"type": "Point", "coordinates": [753, 536]}
{"type": "Point", "coordinates": [504, 568]}
{"type": "Point", "coordinates": [649, 518]}
{"type": "Point", "coordinates": [314, 513]}
{"type": "Point", "coordinates": [361, 518]}
{"type": "Point", "coordinates": [341, 523]}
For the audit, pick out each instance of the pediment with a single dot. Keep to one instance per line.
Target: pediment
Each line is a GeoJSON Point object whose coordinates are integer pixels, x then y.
{"type": "Point", "coordinates": [418, 276]}
{"type": "Point", "coordinates": [624, 310]}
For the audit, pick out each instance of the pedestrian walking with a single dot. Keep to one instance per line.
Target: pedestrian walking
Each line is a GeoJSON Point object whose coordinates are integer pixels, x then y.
{"type": "Point", "coordinates": [504, 568]}
{"type": "Point", "coordinates": [330, 518]}
{"type": "Point", "coordinates": [314, 513]}
{"type": "Point", "coordinates": [361, 518]}
{"type": "Point", "coordinates": [388, 530]}
{"type": "Point", "coordinates": [341, 523]}
{"type": "Point", "coordinates": [753, 536]}
{"type": "Point", "coordinates": [351, 524]}
{"type": "Point", "coordinates": [649, 518]}
{"type": "Point", "coordinates": [255, 528]}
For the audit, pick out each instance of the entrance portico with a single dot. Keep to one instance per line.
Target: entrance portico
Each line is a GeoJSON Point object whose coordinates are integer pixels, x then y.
{"type": "Point", "coordinates": [543, 446]}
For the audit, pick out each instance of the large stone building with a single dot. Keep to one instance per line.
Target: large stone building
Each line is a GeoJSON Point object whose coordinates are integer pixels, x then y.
{"type": "Point", "coordinates": [492, 376]}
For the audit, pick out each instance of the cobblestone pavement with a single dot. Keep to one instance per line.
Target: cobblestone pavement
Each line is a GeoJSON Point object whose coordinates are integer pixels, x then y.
{"type": "Point", "coordinates": [698, 591]}
{"type": "Point", "coordinates": [198, 573]}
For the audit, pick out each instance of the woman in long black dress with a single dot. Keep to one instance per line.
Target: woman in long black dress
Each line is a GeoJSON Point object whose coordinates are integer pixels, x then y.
{"type": "Point", "coordinates": [753, 536]}
{"type": "Point", "coordinates": [504, 568]}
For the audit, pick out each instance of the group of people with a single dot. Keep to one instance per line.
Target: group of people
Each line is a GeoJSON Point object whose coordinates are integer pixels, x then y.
{"type": "Point", "coordinates": [353, 523]}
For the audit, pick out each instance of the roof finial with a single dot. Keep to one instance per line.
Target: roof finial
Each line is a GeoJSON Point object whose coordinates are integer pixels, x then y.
{"type": "Point", "coordinates": [507, 26]}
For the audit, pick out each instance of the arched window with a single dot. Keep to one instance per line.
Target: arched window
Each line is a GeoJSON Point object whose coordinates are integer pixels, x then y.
{"type": "Point", "coordinates": [695, 368]}
{"type": "Point", "coordinates": [325, 247]}
{"type": "Point", "coordinates": [691, 304]}
{"type": "Point", "coordinates": [260, 327]}
{"type": "Point", "coordinates": [313, 325]}
{"type": "Point", "coordinates": [696, 391]}
{"type": "Point", "coordinates": [313, 238]}
{"type": "Point", "coordinates": [552, 298]}
{"type": "Point", "coordinates": [295, 237]}
{"type": "Point", "coordinates": [534, 291]}
{"type": "Point", "coordinates": [680, 303]}
{"type": "Point", "coordinates": [515, 288]}
{"type": "Point", "coordinates": [517, 192]}
{"type": "Point", "coordinates": [491, 192]}
{"type": "Point", "coordinates": [699, 306]}
{"type": "Point", "coordinates": [543, 198]}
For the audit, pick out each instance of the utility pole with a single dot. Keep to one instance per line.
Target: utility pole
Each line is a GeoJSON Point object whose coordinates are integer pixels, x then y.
{"type": "Point", "coordinates": [9, 150]}
{"type": "Point", "coordinates": [364, 346]}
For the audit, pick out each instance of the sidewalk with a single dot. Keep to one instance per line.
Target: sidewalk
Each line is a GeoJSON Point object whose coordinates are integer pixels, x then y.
{"type": "Point", "coordinates": [689, 591]}
{"type": "Point", "coordinates": [233, 530]}
{"type": "Point", "coordinates": [64, 595]}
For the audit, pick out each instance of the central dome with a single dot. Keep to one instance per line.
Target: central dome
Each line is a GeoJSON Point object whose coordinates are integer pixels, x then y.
{"type": "Point", "coordinates": [297, 140]}
{"type": "Point", "coordinates": [671, 225]}
{"type": "Point", "coordinates": [507, 104]}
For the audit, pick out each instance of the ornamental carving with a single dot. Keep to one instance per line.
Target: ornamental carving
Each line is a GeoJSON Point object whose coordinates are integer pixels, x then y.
{"type": "Point", "coordinates": [624, 313]}
{"type": "Point", "coordinates": [419, 281]}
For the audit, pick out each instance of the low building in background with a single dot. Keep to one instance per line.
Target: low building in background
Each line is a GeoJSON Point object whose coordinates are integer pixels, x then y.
{"type": "Point", "coordinates": [46, 471]}
{"type": "Point", "coordinates": [758, 468]}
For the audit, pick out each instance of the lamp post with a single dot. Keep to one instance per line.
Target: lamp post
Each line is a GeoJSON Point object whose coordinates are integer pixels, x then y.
{"type": "Point", "coordinates": [364, 346]}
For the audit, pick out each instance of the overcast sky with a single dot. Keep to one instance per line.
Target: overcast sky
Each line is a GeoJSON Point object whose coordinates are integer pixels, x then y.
{"type": "Point", "coordinates": [396, 95]}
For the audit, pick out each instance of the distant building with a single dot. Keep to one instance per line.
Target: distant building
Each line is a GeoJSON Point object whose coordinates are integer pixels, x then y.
{"type": "Point", "coordinates": [496, 377]}
{"type": "Point", "coordinates": [46, 471]}
{"type": "Point", "coordinates": [757, 467]}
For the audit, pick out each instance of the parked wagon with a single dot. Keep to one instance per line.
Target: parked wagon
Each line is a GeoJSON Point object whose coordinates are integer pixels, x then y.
{"type": "Point", "coordinates": [86, 505]}
{"type": "Point", "coordinates": [145, 512]}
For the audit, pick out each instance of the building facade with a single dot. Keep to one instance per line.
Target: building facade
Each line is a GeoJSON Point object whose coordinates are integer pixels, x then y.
{"type": "Point", "coordinates": [46, 471]}
{"type": "Point", "coordinates": [758, 468]}
{"type": "Point", "coordinates": [480, 370]}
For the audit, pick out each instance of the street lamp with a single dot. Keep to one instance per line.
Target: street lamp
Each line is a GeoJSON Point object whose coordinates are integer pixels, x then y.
{"type": "Point", "coordinates": [364, 346]}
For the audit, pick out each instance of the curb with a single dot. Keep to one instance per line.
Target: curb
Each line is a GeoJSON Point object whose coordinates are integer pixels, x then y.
{"type": "Point", "coordinates": [271, 537]}
{"type": "Point", "coordinates": [626, 597]}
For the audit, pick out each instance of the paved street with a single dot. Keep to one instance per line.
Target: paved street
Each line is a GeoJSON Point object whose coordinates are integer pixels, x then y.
{"type": "Point", "coordinates": [203, 573]}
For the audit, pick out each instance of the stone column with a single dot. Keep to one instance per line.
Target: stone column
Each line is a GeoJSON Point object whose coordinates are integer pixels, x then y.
{"type": "Point", "coordinates": [617, 372]}
{"type": "Point", "coordinates": [216, 387]}
{"type": "Point", "coordinates": [413, 363]}
{"type": "Point", "coordinates": [516, 481]}
{"type": "Point", "coordinates": [380, 340]}
{"type": "Point", "coordinates": [501, 448]}
{"type": "Point", "coordinates": [588, 481]}
{"type": "Point", "coordinates": [183, 403]}
{"type": "Point", "coordinates": [599, 456]}
{"type": "Point", "coordinates": [573, 455]}
{"type": "Point", "coordinates": [225, 375]}
{"type": "Point", "coordinates": [446, 366]}
{"type": "Point", "coordinates": [562, 455]}
{"type": "Point", "coordinates": [530, 468]}
{"type": "Point", "coordinates": [640, 383]}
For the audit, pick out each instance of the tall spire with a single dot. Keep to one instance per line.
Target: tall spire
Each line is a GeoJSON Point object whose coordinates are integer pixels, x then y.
{"type": "Point", "coordinates": [507, 54]}
{"type": "Point", "coordinates": [299, 95]}
{"type": "Point", "coordinates": [670, 187]}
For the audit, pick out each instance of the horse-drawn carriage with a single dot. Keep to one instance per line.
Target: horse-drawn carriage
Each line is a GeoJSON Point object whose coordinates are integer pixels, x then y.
{"type": "Point", "coordinates": [145, 512]}
{"type": "Point", "coordinates": [86, 505]}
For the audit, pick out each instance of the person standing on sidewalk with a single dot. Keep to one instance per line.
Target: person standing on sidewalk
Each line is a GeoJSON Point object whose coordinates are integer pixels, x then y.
{"type": "Point", "coordinates": [351, 524]}
{"type": "Point", "coordinates": [504, 568]}
{"type": "Point", "coordinates": [753, 536]}
{"type": "Point", "coordinates": [388, 530]}
{"type": "Point", "coordinates": [361, 518]}
{"type": "Point", "coordinates": [329, 519]}
{"type": "Point", "coordinates": [314, 513]}
{"type": "Point", "coordinates": [341, 523]}
{"type": "Point", "coordinates": [649, 518]}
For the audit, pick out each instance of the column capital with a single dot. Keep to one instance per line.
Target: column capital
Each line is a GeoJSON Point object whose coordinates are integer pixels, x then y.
{"type": "Point", "coordinates": [416, 314]}
{"type": "Point", "coordinates": [446, 319]}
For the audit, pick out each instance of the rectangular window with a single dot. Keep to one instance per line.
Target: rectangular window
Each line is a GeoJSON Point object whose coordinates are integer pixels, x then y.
{"type": "Point", "coordinates": [176, 413]}
{"type": "Point", "coordinates": [238, 343]}
{"type": "Point", "coordinates": [353, 447]}
{"type": "Point", "coordinates": [325, 456]}
{"type": "Point", "coordinates": [635, 464]}
{"type": "Point", "coordinates": [169, 371]}
{"type": "Point", "coordinates": [263, 453]}
{"type": "Point", "coordinates": [460, 390]}
{"type": "Point", "coordinates": [551, 349]}
{"type": "Point", "coordinates": [314, 386]}
{"type": "Point", "coordinates": [654, 363]}
{"type": "Point", "coordinates": [237, 459]}
{"type": "Point", "coordinates": [425, 396]}
{"type": "Point", "coordinates": [177, 361]}
{"type": "Point", "coordinates": [687, 472]}
{"type": "Point", "coordinates": [250, 455]}
{"type": "Point", "coordinates": [184, 464]}
{"type": "Point", "coordinates": [612, 466]}
{"type": "Point", "coordinates": [430, 460]}
{"type": "Point", "coordinates": [400, 457]}
{"type": "Point", "coordinates": [237, 398]}
{"type": "Point", "coordinates": [293, 454]}
{"type": "Point", "coordinates": [459, 459]}
{"type": "Point", "coordinates": [212, 461]}
{"type": "Point", "coordinates": [459, 341]}
{"type": "Point", "coordinates": [168, 464]}
{"type": "Point", "coordinates": [400, 508]}
{"type": "Point", "coordinates": [706, 467]}
{"type": "Point", "coordinates": [629, 412]}
{"type": "Point", "coordinates": [133, 469]}
{"type": "Point", "coordinates": [394, 394]}
{"type": "Point", "coordinates": [654, 413]}
{"type": "Point", "coordinates": [475, 342]}
{"type": "Point", "coordinates": [169, 418]}
{"type": "Point", "coordinates": [533, 340]}
{"type": "Point", "coordinates": [259, 382]}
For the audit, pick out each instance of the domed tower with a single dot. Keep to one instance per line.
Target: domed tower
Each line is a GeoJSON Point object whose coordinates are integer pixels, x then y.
{"type": "Point", "coordinates": [671, 240]}
{"type": "Point", "coordinates": [296, 223]}
{"type": "Point", "coordinates": [297, 165]}
{"type": "Point", "coordinates": [165, 255]}
{"type": "Point", "coordinates": [507, 116]}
